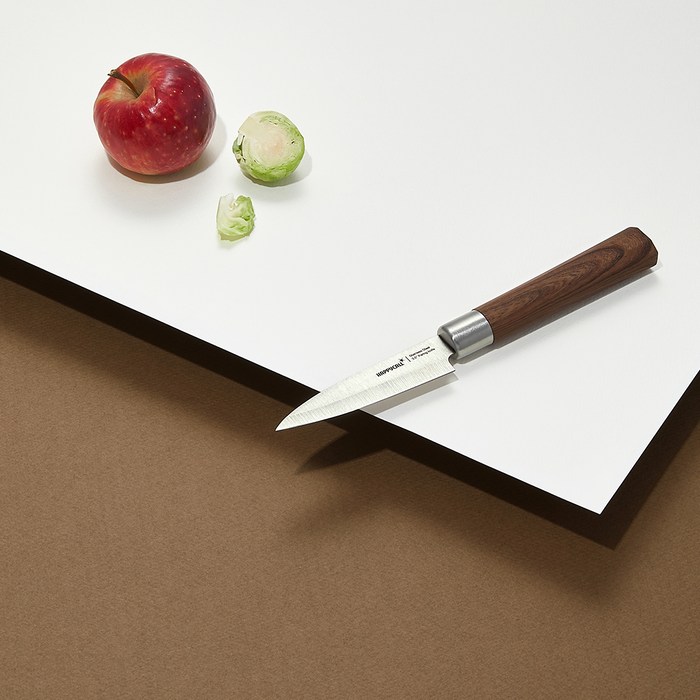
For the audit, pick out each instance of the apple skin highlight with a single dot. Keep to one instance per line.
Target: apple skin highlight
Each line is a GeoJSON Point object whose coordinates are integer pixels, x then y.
{"type": "Point", "coordinates": [162, 127]}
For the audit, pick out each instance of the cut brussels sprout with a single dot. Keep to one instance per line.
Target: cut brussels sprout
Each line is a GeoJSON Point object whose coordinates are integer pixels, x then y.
{"type": "Point", "coordinates": [234, 217]}
{"type": "Point", "coordinates": [268, 147]}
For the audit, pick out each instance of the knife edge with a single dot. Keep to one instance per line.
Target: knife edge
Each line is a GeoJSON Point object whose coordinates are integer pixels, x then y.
{"type": "Point", "coordinates": [413, 367]}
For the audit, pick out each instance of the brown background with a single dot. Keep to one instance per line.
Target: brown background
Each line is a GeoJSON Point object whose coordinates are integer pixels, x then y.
{"type": "Point", "coordinates": [159, 540]}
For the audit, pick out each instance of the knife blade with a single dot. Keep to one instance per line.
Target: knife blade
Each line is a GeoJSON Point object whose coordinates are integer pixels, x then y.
{"type": "Point", "coordinates": [606, 264]}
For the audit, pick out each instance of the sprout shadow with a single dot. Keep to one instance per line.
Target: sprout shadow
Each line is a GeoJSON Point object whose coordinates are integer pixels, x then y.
{"type": "Point", "coordinates": [302, 172]}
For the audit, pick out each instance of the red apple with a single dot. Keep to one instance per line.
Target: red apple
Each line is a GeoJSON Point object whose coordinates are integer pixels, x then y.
{"type": "Point", "coordinates": [155, 114]}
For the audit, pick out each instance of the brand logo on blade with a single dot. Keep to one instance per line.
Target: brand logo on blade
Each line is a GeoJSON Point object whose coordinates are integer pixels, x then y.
{"type": "Point", "coordinates": [390, 369]}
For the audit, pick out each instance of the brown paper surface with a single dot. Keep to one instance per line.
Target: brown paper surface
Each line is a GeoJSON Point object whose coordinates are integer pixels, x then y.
{"type": "Point", "coordinates": [159, 540]}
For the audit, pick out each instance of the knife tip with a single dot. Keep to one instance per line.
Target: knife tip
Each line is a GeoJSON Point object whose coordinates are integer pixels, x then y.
{"type": "Point", "coordinates": [285, 424]}
{"type": "Point", "coordinates": [296, 418]}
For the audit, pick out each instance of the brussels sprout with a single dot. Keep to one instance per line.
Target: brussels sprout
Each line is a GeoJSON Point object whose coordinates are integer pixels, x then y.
{"type": "Point", "coordinates": [269, 147]}
{"type": "Point", "coordinates": [234, 217]}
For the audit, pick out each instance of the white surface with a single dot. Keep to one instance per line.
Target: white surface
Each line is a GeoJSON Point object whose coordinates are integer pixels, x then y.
{"type": "Point", "coordinates": [454, 150]}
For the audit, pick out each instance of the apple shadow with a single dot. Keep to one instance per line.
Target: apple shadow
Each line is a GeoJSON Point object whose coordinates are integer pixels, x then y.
{"type": "Point", "coordinates": [205, 161]}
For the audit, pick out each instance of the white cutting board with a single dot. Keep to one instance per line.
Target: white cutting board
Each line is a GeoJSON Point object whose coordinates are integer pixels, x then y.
{"type": "Point", "coordinates": [454, 150]}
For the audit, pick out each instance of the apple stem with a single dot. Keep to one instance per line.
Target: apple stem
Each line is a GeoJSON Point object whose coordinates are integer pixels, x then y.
{"type": "Point", "coordinates": [119, 76]}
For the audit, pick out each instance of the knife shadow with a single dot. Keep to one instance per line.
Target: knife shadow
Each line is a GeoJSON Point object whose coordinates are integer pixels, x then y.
{"type": "Point", "coordinates": [421, 390]}
{"type": "Point", "coordinates": [365, 435]}
{"type": "Point", "coordinates": [644, 277]}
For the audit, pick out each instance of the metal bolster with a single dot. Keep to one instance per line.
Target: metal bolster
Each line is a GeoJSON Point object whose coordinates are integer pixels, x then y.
{"type": "Point", "coordinates": [467, 334]}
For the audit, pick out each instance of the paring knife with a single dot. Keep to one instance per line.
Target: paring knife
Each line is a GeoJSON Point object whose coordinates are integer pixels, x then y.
{"type": "Point", "coordinates": [614, 260]}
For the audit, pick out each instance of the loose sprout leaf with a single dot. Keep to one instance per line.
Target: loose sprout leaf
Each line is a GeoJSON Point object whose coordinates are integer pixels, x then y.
{"type": "Point", "coordinates": [235, 217]}
{"type": "Point", "coordinates": [253, 128]}
{"type": "Point", "coordinates": [269, 146]}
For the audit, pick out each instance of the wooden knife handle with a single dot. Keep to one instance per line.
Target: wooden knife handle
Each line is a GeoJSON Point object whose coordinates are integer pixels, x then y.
{"type": "Point", "coordinates": [604, 265]}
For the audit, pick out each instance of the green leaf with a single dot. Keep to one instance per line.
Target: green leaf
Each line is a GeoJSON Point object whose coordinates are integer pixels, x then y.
{"type": "Point", "coordinates": [235, 217]}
